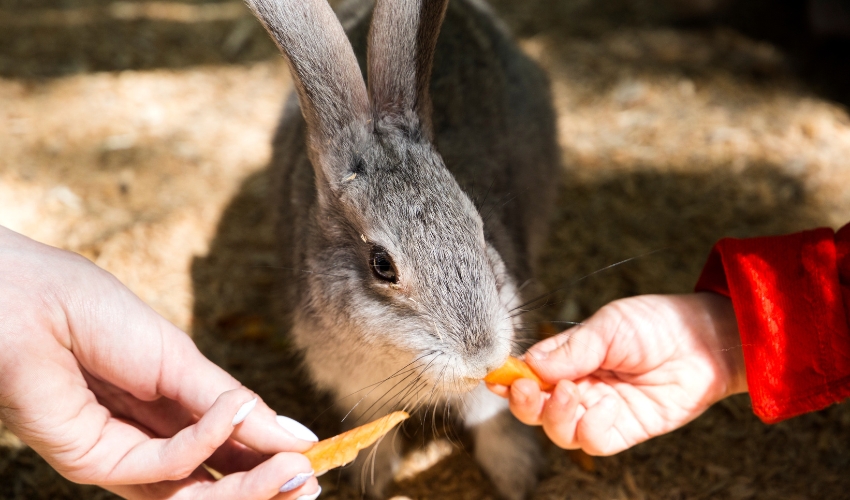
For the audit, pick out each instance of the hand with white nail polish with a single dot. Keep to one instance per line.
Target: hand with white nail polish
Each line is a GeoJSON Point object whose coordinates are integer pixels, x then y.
{"type": "Point", "coordinates": [638, 368]}
{"type": "Point", "coordinates": [110, 393]}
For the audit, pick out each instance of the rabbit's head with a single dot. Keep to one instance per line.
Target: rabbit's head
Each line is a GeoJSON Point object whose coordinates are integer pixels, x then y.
{"type": "Point", "coordinates": [398, 266]}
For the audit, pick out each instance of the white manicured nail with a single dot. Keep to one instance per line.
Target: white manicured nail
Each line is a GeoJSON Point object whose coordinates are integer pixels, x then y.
{"type": "Point", "coordinates": [296, 481]}
{"type": "Point", "coordinates": [314, 496]}
{"type": "Point", "coordinates": [243, 412]}
{"type": "Point", "coordinates": [297, 429]}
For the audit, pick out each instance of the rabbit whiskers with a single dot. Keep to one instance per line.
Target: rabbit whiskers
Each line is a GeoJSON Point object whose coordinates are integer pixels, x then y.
{"type": "Point", "coordinates": [523, 308]}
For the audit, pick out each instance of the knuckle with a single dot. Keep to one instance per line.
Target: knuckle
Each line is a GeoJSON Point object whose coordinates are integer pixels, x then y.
{"type": "Point", "coordinates": [614, 312]}
{"type": "Point", "coordinates": [206, 438]}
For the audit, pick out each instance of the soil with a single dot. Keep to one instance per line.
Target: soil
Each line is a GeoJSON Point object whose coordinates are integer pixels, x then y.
{"type": "Point", "coordinates": [137, 134]}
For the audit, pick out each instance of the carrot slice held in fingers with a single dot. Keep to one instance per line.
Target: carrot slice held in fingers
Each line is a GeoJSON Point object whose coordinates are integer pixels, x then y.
{"type": "Point", "coordinates": [342, 449]}
{"type": "Point", "coordinates": [512, 370]}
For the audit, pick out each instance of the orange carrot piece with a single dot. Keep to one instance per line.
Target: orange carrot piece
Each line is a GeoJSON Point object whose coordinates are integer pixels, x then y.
{"type": "Point", "coordinates": [342, 449]}
{"type": "Point", "coordinates": [512, 370]}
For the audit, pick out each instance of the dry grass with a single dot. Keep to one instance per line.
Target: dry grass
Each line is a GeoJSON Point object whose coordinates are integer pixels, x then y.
{"type": "Point", "coordinates": [671, 138]}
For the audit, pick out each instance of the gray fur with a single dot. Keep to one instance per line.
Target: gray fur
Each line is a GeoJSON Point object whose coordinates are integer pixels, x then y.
{"type": "Point", "coordinates": [400, 60]}
{"type": "Point", "coordinates": [386, 168]}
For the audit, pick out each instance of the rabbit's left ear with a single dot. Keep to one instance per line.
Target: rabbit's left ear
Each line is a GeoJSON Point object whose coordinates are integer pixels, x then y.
{"type": "Point", "coordinates": [401, 51]}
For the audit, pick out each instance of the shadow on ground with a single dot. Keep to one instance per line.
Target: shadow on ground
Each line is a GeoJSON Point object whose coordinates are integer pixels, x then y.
{"type": "Point", "coordinates": [39, 40]}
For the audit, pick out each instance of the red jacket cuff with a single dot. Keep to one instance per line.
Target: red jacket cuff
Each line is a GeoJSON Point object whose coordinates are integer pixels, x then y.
{"type": "Point", "coordinates": [791, 296]}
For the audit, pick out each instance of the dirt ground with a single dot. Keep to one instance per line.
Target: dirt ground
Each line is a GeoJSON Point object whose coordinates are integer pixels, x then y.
{"type": "Point", "coordinates": [138, 135]}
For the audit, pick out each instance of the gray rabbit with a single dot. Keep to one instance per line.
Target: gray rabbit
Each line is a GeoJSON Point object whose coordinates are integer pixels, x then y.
{"type": "Point", "coordinates": [403, 296]}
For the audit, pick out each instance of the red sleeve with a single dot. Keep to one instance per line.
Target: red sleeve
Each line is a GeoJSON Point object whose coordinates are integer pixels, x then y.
{"type": "Point", "coordinates": [791, 296]}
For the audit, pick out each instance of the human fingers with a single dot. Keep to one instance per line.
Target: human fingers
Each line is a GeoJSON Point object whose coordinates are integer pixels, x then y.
{"type": "Point", "coordinates": [233, 456]}
{"type": "Point", "coordinates": [191, 379]}
{"type": "Point", "coordinates": [596, 431]}
{"type": "Point", "coordinates": [560, 415]}
{"type": "Point", "coordinates": [120, 339]}
{"type": "Point", "coordinates": [164, 418]}
{"type": "Point", "coordinates": [526, 401]}
{"type": "Point", "coordinates": [264, 481]}
{"type": "Point", "coordinates": [633, 336]}
{"type": "Point", "coordinates": [154, 460]}
{"type": "Point", "coordinates": [572, 354]}
{"type": "Point", "coordinates": [285, 476]}
{"type": "Point", "coordinates": [499, 389]}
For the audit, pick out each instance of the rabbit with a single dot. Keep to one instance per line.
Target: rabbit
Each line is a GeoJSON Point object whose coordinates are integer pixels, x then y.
{"type": "Point", "coordinates": [395, 288]}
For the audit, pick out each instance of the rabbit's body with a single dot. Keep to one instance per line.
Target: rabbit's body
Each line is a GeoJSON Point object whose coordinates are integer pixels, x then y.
{"type": "Point", "coordinates": [356, 200]}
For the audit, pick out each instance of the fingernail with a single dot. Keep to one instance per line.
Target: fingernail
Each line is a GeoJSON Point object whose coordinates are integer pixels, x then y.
{"type": "Point", "coordinates": [243, 412]}
{"type": "Point", "coordinates": [296, 481]}
{"type": "Point", "coordinates": [296, 428]}
{"type": "Point", "coordinates": [314, 496]}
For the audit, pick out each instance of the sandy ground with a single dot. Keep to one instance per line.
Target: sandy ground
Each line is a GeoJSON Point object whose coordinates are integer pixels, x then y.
{"type": "Point", "coordinates": [138, 133]}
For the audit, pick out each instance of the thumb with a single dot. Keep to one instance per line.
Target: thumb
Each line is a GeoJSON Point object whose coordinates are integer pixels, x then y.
{"type": "Point", "coordinates": [570, 355]}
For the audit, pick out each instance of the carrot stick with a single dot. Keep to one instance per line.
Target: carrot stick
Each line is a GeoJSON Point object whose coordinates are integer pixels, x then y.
{"type": "Point", "coordinates": [342, 449]}
{"type": "Point", "coordinates": [512, 370]}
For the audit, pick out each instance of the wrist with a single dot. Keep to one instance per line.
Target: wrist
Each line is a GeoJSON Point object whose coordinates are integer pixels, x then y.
{"type": "Point", "coordinates": [729, 355]}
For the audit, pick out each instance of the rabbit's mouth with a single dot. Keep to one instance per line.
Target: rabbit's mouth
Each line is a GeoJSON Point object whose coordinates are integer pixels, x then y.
{"type": "Point", "coordinates": [464, 385]}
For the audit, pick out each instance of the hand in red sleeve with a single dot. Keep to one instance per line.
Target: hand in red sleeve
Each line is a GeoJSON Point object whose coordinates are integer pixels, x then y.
{"type": "Point", "coordinates": [638, 368]}
{"type": "Point", "coordinates": [791, 295]}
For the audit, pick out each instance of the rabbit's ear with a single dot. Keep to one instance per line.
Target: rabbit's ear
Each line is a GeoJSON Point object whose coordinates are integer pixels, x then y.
{"type": "Point", "coordinates": [401, 49]}
{"type": "Point", "coordinates": [327, 78]}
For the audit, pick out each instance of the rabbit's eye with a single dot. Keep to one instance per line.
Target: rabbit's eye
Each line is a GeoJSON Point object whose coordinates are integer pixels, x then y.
{"type": "Point", "coordinates": [382, 265]}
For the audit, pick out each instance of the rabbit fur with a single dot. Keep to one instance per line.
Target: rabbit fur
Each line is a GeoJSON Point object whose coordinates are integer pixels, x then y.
{"type": "Point", "coordinates": [368, 181]}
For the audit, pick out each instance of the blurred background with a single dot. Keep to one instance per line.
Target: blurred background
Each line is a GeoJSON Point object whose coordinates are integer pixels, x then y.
{"type": "Point", "coordinates": [137, 134]}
